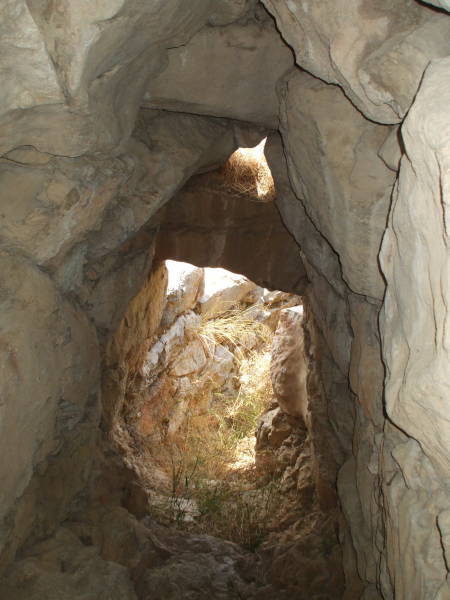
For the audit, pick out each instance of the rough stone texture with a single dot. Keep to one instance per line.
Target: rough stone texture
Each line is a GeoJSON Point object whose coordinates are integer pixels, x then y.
{"type": "Point", "coordinates": [440, 3]}
{"type": "Point", "coordinates": [63, 569]}
{"type": "Point", "coordinates": [304, 453]}
{"type": "Point", "coordinates": [339, 316]}
{"type": "Point", "coordinates": [114, 252]}
{"type": "Point", "coordinates": [414, 323]}
{"type": "Point", "coordinates": [184, 287]}
{"type": "Point", "coordinates": [84, 68]}
{"type": "Point", "coordinates": [49, 379]}
{"type": "Point", "coordinates": [127, 348]}
{"type": "Point", "coordinates": [415, 314]}
{"type": "Point", "coordinates": [223, 290]}
{"type": "Point", "coordinates": [332, 155]}
{"type": "Point", "coordinates": [376, 53]}
{"type": "Point", "coordinates": [208, 225]}
{"type": "Point", "coordinates": [201, 76]}
{"type": "Point", "coordinates": [288, 369]}
{"type": "Point", "coordinates": [327, 290]}
{"type": "Point", "coordinates": [73, 77]}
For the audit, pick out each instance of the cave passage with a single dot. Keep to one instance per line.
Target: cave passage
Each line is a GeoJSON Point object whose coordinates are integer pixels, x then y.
{"type": "Point", "coordinates": [207, 419]}
{"type": "Point", "coordinates": [222, 413]}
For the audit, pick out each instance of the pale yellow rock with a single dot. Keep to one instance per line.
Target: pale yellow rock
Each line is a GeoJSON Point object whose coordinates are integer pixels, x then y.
{"type": "Point", "coordinates": [289, 366]}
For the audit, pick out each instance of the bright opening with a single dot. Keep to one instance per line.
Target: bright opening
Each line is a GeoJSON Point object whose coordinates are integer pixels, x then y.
{"type": "Point", "coordinates": [248, 173]}
{"type": "Point", "coordinates": [209, 408]}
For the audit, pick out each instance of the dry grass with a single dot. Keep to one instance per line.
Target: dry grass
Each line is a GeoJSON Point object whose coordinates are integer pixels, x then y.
{"type": "Point", "coordinates": [247, 173]}
{"type": "Point", "coordinates": [214, 486]}
{"type": "Point", "coordinates": [235, 329]}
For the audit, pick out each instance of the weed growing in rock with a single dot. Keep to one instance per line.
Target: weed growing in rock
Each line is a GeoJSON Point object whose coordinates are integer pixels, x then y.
{"type": "Point", "coordinates": [236, 329]}
{"type": "Point", "coordinates": [215, 489]}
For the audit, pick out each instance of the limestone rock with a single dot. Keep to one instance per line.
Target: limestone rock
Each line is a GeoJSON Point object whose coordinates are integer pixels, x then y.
{"type": "Point", "coordinates": [377, 54]}
{"type": "Point", "coordinates": [83, 68]}
{"type": "Point", "coordinates": [366, 368]}
{"type": "Point", "coordinates": [63, 569]}
{"type": "Point", "coordinates": [440, 3]}
{"type": "Point", "coordinates": [415, 338]}
{"type": "Point", "coordinates": [184, 286]}
{"type": "Point", "coordinates": [222, 365]}
{"type": "Point", "coordinates": [332, 154]}
{"type": "Point", "coordinates": [191, 359]}
{"type": "Point", "coordinates": [49, 379]}
{"type": "Point", "coordinates": [171, 148]}
{"type": "Point", "coordinates": [223, 291]}
{"type": "Point", "coordinates": [288, 367]}
{"type": "Point", "coordinates": [57, 202]}
{"type": "Point", "coordinates": [237, 228]}
{"type": "Point", "coordinates": [127, 348]}
{"type": "Point", "coordinates": [225, 12]}
{"type": "Point", "coordinates": [200, 76]}
{"type": "Point", "coordinates": [163, 351]}
{"type": "Point", "coordinates": [327, 290]}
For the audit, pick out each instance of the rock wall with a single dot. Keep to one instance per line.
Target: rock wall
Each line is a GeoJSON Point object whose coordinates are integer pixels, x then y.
{"type": "Point", "coordinates": [393, 538]}
{"type": "Point", "coordinates": [209, 225]}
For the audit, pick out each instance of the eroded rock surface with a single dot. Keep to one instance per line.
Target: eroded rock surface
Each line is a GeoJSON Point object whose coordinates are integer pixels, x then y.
{"type": "Point", "coordinates": [199, 72]}
{"type": "Point", "coordinates": [376, 53]}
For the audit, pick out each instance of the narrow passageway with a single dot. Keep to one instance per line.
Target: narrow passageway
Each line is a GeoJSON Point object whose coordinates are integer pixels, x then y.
{"type": "Point", "coordinates": [223, 417]}
{"type": "Point", "coordinates": [164, 441]}
{"type": "Point", "coordinates": [217, 428]}
{"type": "Point", "coordinates": [206, 387]}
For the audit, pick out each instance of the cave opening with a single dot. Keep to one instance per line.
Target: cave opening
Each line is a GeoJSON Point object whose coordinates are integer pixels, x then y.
{"type": "Point", "coordinates": [213, 412]}
{"type": "Point", "coordinates": [217, 450]}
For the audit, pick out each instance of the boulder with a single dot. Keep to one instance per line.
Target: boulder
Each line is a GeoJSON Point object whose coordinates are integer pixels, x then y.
{"type": "Point", "coordinates": [190, 360]}
{"type": "Point", "coordinates": [289, 367]}
{"type": "Point", "coordinates": [223, 291]}
{"type": "Point", "coordinates": [184, 287]}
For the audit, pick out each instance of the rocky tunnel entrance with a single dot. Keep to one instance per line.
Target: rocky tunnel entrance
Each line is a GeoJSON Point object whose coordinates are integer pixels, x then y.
{"type": "Point", "coordinates": [207, 360]}
{"type": "Point", "coordinates": [116, 119]}
{"type": "Point", "coordinates": [197, 403]}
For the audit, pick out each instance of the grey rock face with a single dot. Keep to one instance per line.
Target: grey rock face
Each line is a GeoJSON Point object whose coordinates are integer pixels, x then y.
{"type": "Point", "coordinates": [201, 76]}
{"type": "Point", "coordinates": [376, 53]}
{"type": "Point", "coordinates": [49, 391]}
{"type": "Point", "coordinates": [90, 64]}
{"type": "Point", "coordinates": [332, 155]}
